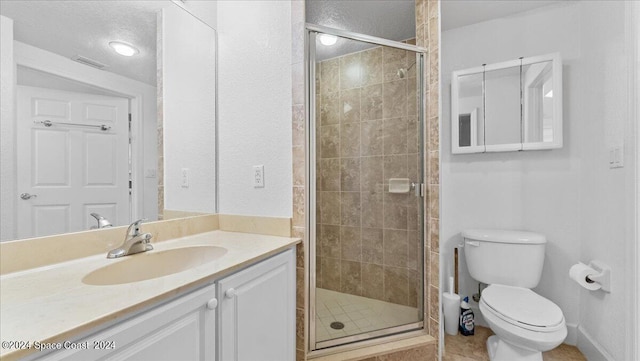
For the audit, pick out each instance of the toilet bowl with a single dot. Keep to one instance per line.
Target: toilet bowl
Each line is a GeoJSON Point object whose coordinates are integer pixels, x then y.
{"type": "Point", "coordinates": [525, 323]}
{"type": "Point", "coordinates": [510, 262]}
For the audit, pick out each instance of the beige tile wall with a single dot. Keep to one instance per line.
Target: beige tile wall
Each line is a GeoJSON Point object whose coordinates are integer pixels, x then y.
{"type": "Point", "coordinates": [299, 181]}
{"type": "Point", "coordinates": [160, 119]}
{"type": "Point", "coordinates": [427, 33]}
{"type": "Point", "coordinates": [428, 36]}
{"type": "Point", "coordinates": [368, 239]}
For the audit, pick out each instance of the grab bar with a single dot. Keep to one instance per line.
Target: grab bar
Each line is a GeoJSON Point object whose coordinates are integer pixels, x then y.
{"type": "Point", "coordinates": [48, 123]}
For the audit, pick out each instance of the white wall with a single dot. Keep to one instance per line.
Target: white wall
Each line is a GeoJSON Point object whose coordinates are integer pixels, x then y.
{"type": "Point", "coordinates": [188, 92]}
{"type": "Point", "coordinates": [255, 106]}
{"type": "Point", "coordinates": [633, 329]}
{"type": "Point", "coordinates": [569, 194]}
{"type": "Point", "coordinates": [511, 190]}
{"type": "Point", "coordinates": [607, 202]}
{"type": "Point", "coordinates": [7, 131]}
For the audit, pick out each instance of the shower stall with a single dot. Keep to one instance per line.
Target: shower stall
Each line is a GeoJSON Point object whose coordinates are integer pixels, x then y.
{"type": "Point", "coordinates": [366, 195]}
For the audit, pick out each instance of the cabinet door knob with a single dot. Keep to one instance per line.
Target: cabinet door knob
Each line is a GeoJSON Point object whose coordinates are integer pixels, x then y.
{"type": "Point", "coordinates": [231, 293]}
{"type": "Point", "coordinates": [212, 304]}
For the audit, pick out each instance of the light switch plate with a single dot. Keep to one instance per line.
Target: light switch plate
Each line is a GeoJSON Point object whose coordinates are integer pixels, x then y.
{"type": "Point", "coordinates": [185, 177]}
{"type": "Point", "coordinates": [258, 176]}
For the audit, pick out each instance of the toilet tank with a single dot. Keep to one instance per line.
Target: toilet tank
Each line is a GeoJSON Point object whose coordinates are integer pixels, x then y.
{"type": "Point", "coordinates": [513, 258]}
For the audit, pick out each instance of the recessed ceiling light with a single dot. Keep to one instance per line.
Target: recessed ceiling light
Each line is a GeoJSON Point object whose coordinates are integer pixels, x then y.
{"type": "Point", "coordinates": [327, 39]}
{"type": "Point", "coordinates": [124, 48]}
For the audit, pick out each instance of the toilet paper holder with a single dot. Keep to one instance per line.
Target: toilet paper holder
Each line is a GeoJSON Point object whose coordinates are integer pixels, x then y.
{"type": "Point", "coordinates": [603, 277]}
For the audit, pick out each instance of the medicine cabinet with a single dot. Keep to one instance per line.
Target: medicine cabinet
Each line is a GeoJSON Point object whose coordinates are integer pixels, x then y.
{"type": "Point", "coordinates": [509, 106]}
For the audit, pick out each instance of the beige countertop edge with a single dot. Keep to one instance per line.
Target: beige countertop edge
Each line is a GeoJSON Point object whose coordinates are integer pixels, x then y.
{"type": "Point", "coordinates": [30, 292]}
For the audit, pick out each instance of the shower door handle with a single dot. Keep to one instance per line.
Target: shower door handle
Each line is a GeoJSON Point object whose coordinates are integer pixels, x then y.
{"type": "Point", "coordinates": [418, 188]}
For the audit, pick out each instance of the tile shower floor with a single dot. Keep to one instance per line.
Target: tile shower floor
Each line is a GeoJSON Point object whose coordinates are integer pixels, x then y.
{"type": "Point", "coordinates": [358, 314]}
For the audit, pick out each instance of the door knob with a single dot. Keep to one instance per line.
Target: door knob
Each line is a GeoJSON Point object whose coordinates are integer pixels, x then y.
{"type": "Point", "coordinates": [27, 196]}
{"type": "Point", "coordinates": [231, 293]}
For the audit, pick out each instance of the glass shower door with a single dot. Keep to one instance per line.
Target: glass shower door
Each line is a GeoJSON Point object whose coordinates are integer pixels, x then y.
{"type": "Point", "coordinates": [367, 235]}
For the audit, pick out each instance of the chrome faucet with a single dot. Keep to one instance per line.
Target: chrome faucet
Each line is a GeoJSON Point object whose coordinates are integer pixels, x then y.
{"type": "Point", "coordinates": [102, 222]}
{"type": "Point", "coordinates": [134, 242]}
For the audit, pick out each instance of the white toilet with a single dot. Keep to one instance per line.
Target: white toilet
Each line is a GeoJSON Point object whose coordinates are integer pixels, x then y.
{"type": "Point", "coordinates": [510, 262]}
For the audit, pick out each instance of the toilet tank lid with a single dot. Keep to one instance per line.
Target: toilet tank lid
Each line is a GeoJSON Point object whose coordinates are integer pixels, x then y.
{"type": "Point", "coordinates": [504, 236]}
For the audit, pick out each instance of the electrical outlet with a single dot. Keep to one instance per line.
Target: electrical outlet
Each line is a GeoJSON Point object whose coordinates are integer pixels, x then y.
{"type": "Point", "coordinates": [185, 177]}
{"type": "Point", "coordinates": [258, 176]}
{"type": "Point", "coordinates": [616, 157]}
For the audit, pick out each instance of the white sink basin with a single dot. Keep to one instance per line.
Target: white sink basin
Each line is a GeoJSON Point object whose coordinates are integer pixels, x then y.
{"type": "Point", "coordinates": [153, 264]}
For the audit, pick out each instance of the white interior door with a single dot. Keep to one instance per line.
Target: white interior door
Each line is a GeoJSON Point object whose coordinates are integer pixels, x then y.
{"type": "Point", "coordinates": [66, 172]}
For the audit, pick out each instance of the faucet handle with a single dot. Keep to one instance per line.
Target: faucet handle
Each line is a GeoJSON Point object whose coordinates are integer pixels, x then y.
{"type": "Point", "coordinates": [134, 228]}
{"type": "Point", "coordinates": [102, 222]}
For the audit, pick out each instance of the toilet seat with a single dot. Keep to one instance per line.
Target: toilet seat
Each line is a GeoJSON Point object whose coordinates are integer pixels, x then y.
{"type": "Point", "coordinates": [523, 308]}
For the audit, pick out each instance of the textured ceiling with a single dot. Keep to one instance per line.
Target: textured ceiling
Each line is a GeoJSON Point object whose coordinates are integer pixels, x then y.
{"type": "Point", "coordinates": [395, 19]}
{"type": "Point", "coordinates": [71, 28]}
{"type": "Point", "coordinates": [85, 28]}
{"type": "Point", "coordinates": [388, 19]}
{"type": "Point", "coordinates": [458, 13]}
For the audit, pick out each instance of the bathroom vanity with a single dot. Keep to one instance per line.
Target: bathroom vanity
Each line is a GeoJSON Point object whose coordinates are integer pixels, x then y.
{"type": "Point", "coordinates": [240, 305]}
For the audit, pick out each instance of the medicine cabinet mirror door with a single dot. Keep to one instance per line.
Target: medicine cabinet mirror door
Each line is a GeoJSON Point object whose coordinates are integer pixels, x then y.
{"type": "Point", "coordinates": [468, 125]}
{"type": "Point", "coordinates": [509, 106]}
{"type": "Point", "coordinates": [542, 105]}
{"type": "Point", "coordinates": [502, 109]}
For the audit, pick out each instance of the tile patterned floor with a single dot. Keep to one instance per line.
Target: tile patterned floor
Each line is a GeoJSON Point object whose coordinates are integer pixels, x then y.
{"type": "Point", "coordinates": [473, 348]}
{"type": "Point", "coordinates": [358, 314]}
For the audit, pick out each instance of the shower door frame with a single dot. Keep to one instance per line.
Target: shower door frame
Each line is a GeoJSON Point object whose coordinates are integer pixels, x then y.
{"type": "Point", "coordinates": [372, 337]}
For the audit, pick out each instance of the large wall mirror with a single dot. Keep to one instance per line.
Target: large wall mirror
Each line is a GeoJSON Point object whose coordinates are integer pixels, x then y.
{"type": "Point", "coordinates": [509, 106]}
{"type": "Point", "coordinates": [109, 112]}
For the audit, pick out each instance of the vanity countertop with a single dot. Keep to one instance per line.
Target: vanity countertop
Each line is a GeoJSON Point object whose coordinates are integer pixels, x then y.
{"type": "Point", "coordinates": [51, 304]}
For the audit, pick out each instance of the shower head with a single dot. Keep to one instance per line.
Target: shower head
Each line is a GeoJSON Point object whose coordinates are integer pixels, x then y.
{"type": "Point", "coordinates": [402, 72]}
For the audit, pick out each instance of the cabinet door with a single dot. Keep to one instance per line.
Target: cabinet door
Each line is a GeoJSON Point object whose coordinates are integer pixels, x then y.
{"type": "Point", "coordinates": [257, 311]}
{"type": "Point", "coordinates": [183, 329]}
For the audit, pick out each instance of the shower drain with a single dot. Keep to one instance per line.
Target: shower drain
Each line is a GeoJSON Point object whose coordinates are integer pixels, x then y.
{"type": "Point", "coordinates": [337, 325]}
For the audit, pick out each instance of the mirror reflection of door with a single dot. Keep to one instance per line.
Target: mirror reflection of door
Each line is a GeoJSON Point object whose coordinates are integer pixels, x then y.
{"type": "Point", "coordinates": [70, 171]}
{"type": "Point", "coordinates": [468, 129]}
{"type": "Point", "coordinates": [471, 110]}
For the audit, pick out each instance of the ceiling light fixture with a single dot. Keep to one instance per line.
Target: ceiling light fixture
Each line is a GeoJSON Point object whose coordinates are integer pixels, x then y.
{"type": "Point", "coordinates": [327, 39]}
{"type": "Point", "coordinates": [124, 48]}
{"type": "Point", "coordinates": [549, 94]}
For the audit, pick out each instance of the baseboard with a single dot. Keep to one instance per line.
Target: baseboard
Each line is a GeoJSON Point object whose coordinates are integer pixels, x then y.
{"type": "Point", "coordinates": [572, 334]}
{"type": "Point", "coordinates": [591, 349]}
